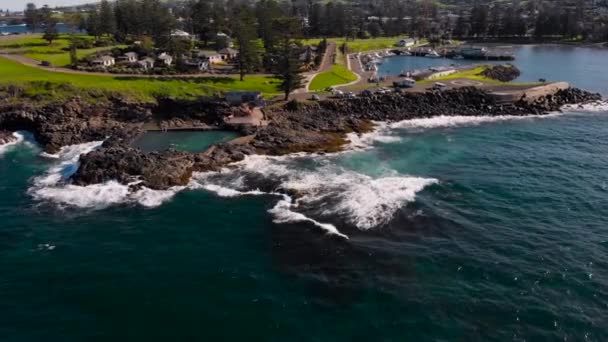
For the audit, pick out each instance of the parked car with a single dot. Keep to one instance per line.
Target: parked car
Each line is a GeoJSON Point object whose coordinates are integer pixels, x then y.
{"type": "Point", "coordinates": [338, 93]}
{"type": "Point", "coordinates": [350, 95]}
{"type": "Point", "coordinates": [367, 93]}
{"type": "Point", "coordinates": [315, 97]}
{"type": "Point", "coordinates": [439, 86]}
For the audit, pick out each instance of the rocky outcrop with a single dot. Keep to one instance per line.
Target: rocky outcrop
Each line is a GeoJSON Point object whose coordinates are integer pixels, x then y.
{"type": "Point", "coordinates": [503, 73]}
{"type": "Point", "coordinates": [6, 137]}
{"type": "Point", "coordinates": [74, 122]}
{"type": "Point", "coordinates": [321, 127]}
{"type": "Point", "coordinates": [318, 127]}
{"type": "Point", "coordinates": [117, 161]}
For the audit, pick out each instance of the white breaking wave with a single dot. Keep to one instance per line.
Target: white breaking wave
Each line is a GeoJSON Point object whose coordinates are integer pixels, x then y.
{"type": "Point", "coordinates": [283, 214]}
{"type": "Point", "coordinates": [598, 106]}
{"type": "Point", "coordinates": [19, 138]}
{"type": "Point", "coordinates": [54, 186]}
{"type": "Point", "coordinates": [328, 190]}
{"type": "Point", "coordinates": [381, 134]}
{"type": "Point", "coordinates": [444, 121]}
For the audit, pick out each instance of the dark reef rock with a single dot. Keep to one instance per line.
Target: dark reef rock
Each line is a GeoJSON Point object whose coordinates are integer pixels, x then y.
{"type": "Point", "coordinates": [75, 121]}
{"type": "Point", "coordinates": [117, 161]}
{"type": "Point", "coordinates": [6, 137]}
{"type": "Point", "coordinates": [503, 73]}
{"type": "Point", "coordinates": [317, 127]}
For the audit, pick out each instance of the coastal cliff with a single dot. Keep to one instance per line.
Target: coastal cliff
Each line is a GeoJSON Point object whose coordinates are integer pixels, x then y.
{"type": "Point", "coordinates": [294, 127]}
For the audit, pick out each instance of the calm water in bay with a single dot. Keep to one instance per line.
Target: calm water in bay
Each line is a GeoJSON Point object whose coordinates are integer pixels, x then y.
{"type": "Point", "coordinates": [584, 67]}
{"type": "Point", "coordinates": [471, 229]}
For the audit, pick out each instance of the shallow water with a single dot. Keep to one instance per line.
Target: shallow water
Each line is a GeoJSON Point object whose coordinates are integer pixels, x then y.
{"type": "Point", "coordinates": [434, 229]}
{"type": "Point", "coordinates": [192, 141]}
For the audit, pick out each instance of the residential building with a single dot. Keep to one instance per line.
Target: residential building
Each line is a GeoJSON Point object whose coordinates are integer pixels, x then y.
{"type": "Point", "coordinates": [129, 57]}
{"type": "Point", "coordinates": [146, 63]}
{"type": "Point", "coordinates": [228, 54]}
{"type": "Point", "coordinates": [165, 59]}
{"type": "Point", "coordinates": [197, 63]}
{"type": "Point", "coordinates": [104, 61]}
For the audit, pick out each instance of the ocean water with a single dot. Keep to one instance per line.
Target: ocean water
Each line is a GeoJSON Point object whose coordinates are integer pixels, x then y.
{"type": "Point", "coordinates": [583, 66]}
{"type": "Point", "coordinates": [22, 29]}
{"type": "Point", "coordinates": [474, 229]}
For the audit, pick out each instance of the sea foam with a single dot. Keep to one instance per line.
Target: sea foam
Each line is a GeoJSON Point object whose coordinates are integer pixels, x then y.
{"type": "Point", "coordinates": [54, 185]}
{"type": "Point", "coordinates": [19, 138]}
{"type": "Point", "coordinates": [324, 192]}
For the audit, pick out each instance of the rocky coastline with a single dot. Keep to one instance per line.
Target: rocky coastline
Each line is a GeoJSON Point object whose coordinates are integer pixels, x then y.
{"type": "Point", "coordinates": [294, 127]}
{"type": "Point", "coordinates": [6, 137]}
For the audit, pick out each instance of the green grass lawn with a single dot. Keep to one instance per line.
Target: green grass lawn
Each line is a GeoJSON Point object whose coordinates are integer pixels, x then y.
{"type": "Point", "coordinates": [359, 45]}
{"type": "Point", "coordinates": [474, 74]}
{"type": "Point", "coordinates": [39, 49]}
{"type": "Point", "coordinates": [142, 89]}
{"type": "Point", "coordinates": [338, 74]}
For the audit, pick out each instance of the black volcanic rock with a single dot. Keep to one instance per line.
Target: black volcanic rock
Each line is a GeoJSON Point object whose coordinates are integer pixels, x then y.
{"type": "Point", "coordinates": [503, 73]}
{"type": "Point", "coordinates": [318, 127]}
{"type": "Point", "coordinates": [6, 137]}
{"type": "Point", "coordinates": [74, 122]}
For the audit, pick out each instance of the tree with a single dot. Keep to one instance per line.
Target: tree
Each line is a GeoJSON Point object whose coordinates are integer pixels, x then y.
{"type": "Point", "coordinates": [50, 25]}
{"type": "Point", "coordinates": [496, 24]}
{"type": "Point", "coordinates": [93, 25]}
{"type": "Point", "coordinates": [74, 21]}
{"type": "Point", "coordinates": [287, 68]}
{"type": "Point", "coordinates": [244, 32]}
{"type": "Point", "coordinates": [107, 20]}
{"type": "Point", "coordinates": [479, 20]}
{"type": "Point", "coordinates": [32, 17]}
{"type": "Point", "coordinates": [462, 28]}
{"type": "Point", "coordinates": [200, 15]}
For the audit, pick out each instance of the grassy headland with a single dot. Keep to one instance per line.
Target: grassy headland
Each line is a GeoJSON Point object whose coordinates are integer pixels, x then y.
{"type": "Point", "coordinates": [339, 74]}
{"type": "Point", "coordinates": [38, 81]}
{"type": "Point", "coordinates": [57, 53]}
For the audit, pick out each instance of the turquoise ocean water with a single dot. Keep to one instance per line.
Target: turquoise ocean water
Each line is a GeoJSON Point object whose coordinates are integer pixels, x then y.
{"type": "Point", "coordinates": [436, 229]}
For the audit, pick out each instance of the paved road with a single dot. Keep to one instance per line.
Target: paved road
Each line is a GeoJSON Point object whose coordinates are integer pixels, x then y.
{"type": "Point", "coordinates": [36, 64]}
{"type": "Point", "coordinates": [326, 64]}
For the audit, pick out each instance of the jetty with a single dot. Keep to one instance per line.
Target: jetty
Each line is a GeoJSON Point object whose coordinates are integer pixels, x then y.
{"type": "Point", "coordinates": [528, 94]}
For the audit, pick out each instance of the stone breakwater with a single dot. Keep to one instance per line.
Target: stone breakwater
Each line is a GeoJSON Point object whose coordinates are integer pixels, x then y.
{"type": "Point", "coordinates": [317, 127]}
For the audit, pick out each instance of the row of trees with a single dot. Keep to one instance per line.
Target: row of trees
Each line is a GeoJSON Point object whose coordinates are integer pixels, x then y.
{"type": "Point", "coordinates": [512, 20]}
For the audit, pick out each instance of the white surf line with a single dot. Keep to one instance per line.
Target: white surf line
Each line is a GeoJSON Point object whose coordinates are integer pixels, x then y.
{"type": "Point", "coordinates": [19, 138]}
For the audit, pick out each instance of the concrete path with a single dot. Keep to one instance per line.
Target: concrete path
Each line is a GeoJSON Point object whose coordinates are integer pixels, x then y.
{"type": "Point", "coordinates": [255, 118]}
{"type": "Point", "coordinates": [326, 65]}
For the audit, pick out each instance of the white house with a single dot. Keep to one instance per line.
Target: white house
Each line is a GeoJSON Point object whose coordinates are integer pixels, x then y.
{"type": "Point", "coordinates": [228, 54]}
{"type": "Point", "coordinates": [165, 59]}
{"type": "Point", "coordinates": [200, 64]}
{"type": "Point", "coordinates": [146, 63]}
{"type": "Point", "coordinates": [215, 58]}
{"type": "Point", "coordinates": [104, 61]}
{"type": "Point", "coordinates": [180, 33]}
{"type": "Point", "coordinates": [129, 57]}
{"type": "Point", "coordinates": [406, 42]}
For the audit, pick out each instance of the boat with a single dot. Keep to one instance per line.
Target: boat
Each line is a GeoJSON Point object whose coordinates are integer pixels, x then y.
{"type": "Point", "coordinates": [433, 54]}
{"type": "Point", "coordinates": [377, 61]}
{"type": "Point", "coordinates": [458, 57]}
